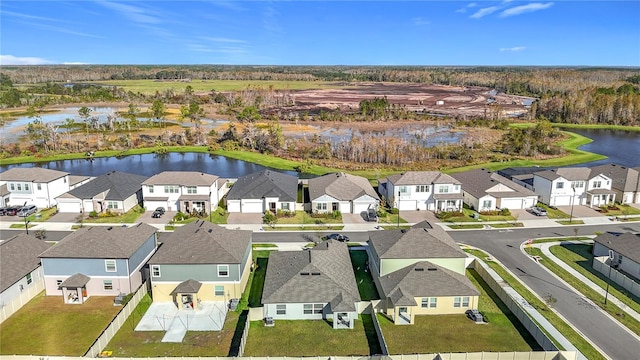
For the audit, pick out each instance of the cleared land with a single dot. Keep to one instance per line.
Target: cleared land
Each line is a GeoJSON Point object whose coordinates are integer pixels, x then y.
{"type": "Point", "coordinates": [149, 87]}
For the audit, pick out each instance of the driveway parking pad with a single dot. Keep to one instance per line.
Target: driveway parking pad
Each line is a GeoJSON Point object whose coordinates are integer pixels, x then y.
{"type": "Point", "coordinates": [165, 316]}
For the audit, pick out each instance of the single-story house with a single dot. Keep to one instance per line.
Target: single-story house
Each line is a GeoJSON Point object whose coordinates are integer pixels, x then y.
{"type": "Point", "coordinates": [342, 192]}
{"type": "Point", "coordinates": [625, 249]}
{"type": "Point", "coordinates": [265, 190]}
{"type": "Point", "coordinates": [484, 190]}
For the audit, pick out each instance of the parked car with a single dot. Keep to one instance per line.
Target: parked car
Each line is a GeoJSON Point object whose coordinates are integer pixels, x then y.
{"type": "Point", "coordinates": [372, 215]}
{"type": "Point", "coordinates": [12, 210]}
{"type": "Point", "coordinates": [538, 211]}
{"type": "Point", "coordinates": [156, 214]}
{"type": "Point", "coordinates": [339, 237]}
{"type": "Point", "coordinates": [3, 211]}
{"type": "Point", "coordinates": [27, 210]}
{"type": "Point", "coordinates": [160, 210]}
{"type": "Point", "coordinates": [474, 315]}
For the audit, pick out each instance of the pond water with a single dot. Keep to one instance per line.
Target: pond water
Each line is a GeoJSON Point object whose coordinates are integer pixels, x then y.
{"type": "Point", "coordinates": [621, 147]}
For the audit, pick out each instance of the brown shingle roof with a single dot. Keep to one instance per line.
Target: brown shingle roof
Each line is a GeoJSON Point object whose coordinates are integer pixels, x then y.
{"type": "Point", "coordinates": [101, 242]}
{"type": "Point", "coordinates": [202, 242]}
{"type": "Point", "coordinates": [184, 178]}
{"type": "Point", "coordinates": [18, 257]}
{"type": "Point", "coordinates": [341, 186]}
{"type": "Point", "coordinates": [414, 243]}
{"type": "Point", "coordinates": [34, 174]}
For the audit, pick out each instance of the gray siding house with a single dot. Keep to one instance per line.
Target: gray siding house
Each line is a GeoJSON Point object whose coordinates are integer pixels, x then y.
{"type": "Point", "coordinates": [98, 261]}
{"type": "Point", "coordinates": [266, 190]}
{"type": "Point", "coordinates": [312, 285]}
{"type": "Point", "coordinates": [342, 192]}
{"type": "Point", "coordinates": [201, 261]}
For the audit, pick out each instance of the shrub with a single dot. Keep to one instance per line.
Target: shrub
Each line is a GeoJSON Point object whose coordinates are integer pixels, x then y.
{"type": "Point", "coordinates": [269, 218]}
{"type": "Point", "coordinates": [180, 216]}
{"type": "Point", "coordinates": [394, 211]}
{"type": "Point", "coordinates": [443, 215]}
{"type": "Point", "coordinates": [93, 214]}
{"type": "Point", "coordinates": [286, 213]}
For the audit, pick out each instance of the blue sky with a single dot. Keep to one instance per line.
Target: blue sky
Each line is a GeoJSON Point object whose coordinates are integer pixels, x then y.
{"type": "Point", "coordinates": [605, 33]}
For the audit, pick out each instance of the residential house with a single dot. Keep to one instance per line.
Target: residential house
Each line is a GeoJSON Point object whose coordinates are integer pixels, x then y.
{"type": "Point", "coordinates": [262, 191]}
{"type": "Point", "coordinates": [184, 191]}
{"type": "Point", "coordinates": [201, 261]}
{"type": "Point", "coordinates": [37, 186]}
{"type": "Point", "coordinates": [98, 261]}
{"type": "Point", "coordinates": [484, 190]}
{"type": "Point", "coordinates": [115, 191]}
{"type": "Point", "coordinates": [20, 266]}
{"type": "Point", "coordinates": [422, 190]}
{"type": "Point", "coordinates": [420, 271]}
{"type": "Point", "coordinates": [625, 249]}
{"type": "Point", "coordinates": [342, 192]}
{"type": "Point", "coordinates": [315, 284]}
{"type": "Point", "coordinates": [573, 186]}
{"type": "Point", "coordinates": [625, 181]}
{"type": "Point", "coordinates": [4, 195]}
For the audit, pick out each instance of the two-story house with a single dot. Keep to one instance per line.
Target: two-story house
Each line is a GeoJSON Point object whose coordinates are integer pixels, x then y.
{"type": "Point", "coordinates": [422, 190]}
{"type": "Point", "coordinates": [484, 190]}
{"type": "Point", "coordinates": [35, 185]}
{"type": "Point", "coordinates": [201, 261]}
{"type": "Point", "coordinates": [349, 194]}
{"type": "Point", "coordinates": [115, 191]}
{"type": "Point", "coordinates": [625, 181]}
{"type": "Point", "coordinates": [419, 271]}
{"type": "Point", "coordinates": [573, 186]}
{"type": "Point", "coordinates": [98, 261]}
{"type": "Point", "coordinates": [185, 191]}
{"type": "Point", "coordinates": [265, 190]}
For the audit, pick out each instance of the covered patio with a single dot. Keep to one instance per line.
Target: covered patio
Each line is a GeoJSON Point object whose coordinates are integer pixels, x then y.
{"type": "Point", "coordinates": [74, 289]}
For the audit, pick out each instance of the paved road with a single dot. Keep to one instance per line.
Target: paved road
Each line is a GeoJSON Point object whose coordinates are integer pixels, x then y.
{"type": "Point", "coordinates": [51, 235]}
{"type": "Point", "coordinates": [610, 337]}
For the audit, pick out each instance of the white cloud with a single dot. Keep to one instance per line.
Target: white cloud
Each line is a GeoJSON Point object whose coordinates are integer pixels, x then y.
{"type": "Point", "coordinates": [134, 13]}
{"type": "Point", "coordinates": [522, 9]}
{"type": "Point", "coordinates": [22, 60]}
{"type": "Point", "coordinates": [484, 12]}
{"type": "Point", "coordinates": [224, 40]}
{"type": "Point", "coordinates": [513, 49]}
{"type": "Point", "coordinates": [420, 21]}
{"type": "Point", "coordinates": [464, 9]}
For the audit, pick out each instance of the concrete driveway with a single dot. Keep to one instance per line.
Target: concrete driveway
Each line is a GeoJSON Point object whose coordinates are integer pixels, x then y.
{"type": "Point", "coordinates": [354, 218]}
{"type": "Point", "coordinates": [164, 219]}
{"type": "Point", "coordinates": [581, 211]}
{"type": "Point", "coordinates": [238, 218]}
{"type": "Point", "coordinates": [64, 217]}
{"type": "Point", "coordinates": [413, 216]}
{"type": "Point", "coordinates": [165, 316]}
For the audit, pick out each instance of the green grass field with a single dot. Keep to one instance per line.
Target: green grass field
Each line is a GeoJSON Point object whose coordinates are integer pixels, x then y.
{"type": "Point", "coordinates": [364, 280]}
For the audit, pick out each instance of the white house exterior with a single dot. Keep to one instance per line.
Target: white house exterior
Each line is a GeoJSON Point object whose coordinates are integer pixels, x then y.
{"type": "Point", "coordinates": [625, 182]}
{"type": "Point", "coordinates": [573, 186]}
{"type": "Point", "coordinates": [35, 186]}
{"type": "Point", "coordinates": [422, 190]}
{"type": "Point", "coordinates": [266, 190]}
{"type": "Point", "coordinates": [484, 190]}
{"type": "Point", "coordinates": [342, 192]}
{"type": "Point", "coordinates": [625, 251]}
{"type": "Point", "coordinates": [184, 191]}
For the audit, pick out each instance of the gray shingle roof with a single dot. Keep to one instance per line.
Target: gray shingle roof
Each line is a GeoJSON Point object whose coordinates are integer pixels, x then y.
{"type": "Point", "coordinates": [341, 186]}
{"type": "Point", "coordinates": [478, 182]}
{"type": "Point", "coordinates": [424, 279]}
{"type": "Point", "coordinates": [101, 242]}
{"type": "Point", "coordinates": [74, 179]}
{"type": "Point", "coordinates": [414, 243]}
{"type": "Point", "coordinates": [184, 178]}
{"type": "Point", "coordinates": [4, 190]}
{"type": "Point", "coordinates": [119, 186]}
{"type": "Point", "coordinates": [75, 281]}
{"type": "Point", "coordinates": [569, 173]}
{"type": "Point", "coordinates": [202, 242]}
{"type": "Point", "coordinates": [316, 275]}
{"type": "Point", "coordinates": [18, 257]}
{"type": "Point", "coordinates": [266, 183]}
{"type": "Point", "coordinates": [34, 174]}
{"type": "Point", "coordinates": [622, 178]}
{"type": "Point", "coordinates": [188, 286]}
{"type": "Point", "coordinates": [422, 178]}
{"type": "Point", "coordinates": [627, 244]}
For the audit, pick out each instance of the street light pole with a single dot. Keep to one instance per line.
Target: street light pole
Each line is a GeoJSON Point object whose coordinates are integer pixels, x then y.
{"type": "Point", "coordinates": [573, 198]}
{"type": "Point", "coordinates": [398, 209]}
{"type": "Point", "coordinates": [26, 225]}
{"type": "Point", "coordinates": [611, 257]}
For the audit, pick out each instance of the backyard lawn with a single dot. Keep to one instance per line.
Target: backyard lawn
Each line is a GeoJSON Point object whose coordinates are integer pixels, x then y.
{"type": "Point", "coordinates": [310, 338]}
{"type": "Point", "coordinates": [47, 326]}
{"type": "Point", "coordinates": [366, 286]}
{"type": "Point", "coordinates": [130, 343]}
{"type": "Point", "coordinates": [456, 333]}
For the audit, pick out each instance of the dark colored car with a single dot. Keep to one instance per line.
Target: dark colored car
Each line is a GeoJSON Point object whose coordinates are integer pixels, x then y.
{"type": "Point", "coordinates": [160, 210]}
{"type": "Point", "coordinates": [13, 210]}
{"type": "Point", "coordinates": [474, 315]}
{"type": "Point", "coordinates": [338, 237]}
{"type": "Point", "coordinates": [538, 211]}
{"type": "Point", "coordinates": [3, 211]}
{"type": "Point", "coordinates": [372, 215]}
{"type": "Point", "coordinates": [156, 214]}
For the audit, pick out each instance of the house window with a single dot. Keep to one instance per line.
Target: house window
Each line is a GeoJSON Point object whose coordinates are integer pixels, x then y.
{"type": "Point", "coordinates": [26, 187]}
{"type": "Point", "coordinates": [321, 206]}
{"type": "Point", "coordinates": [58, 283]}
{"type": "Point", "coordinates": [285, 206]}
{"type": "Point", "coordinates": [465, 301]}
{"type": "Point", "coordinates": [443, 189]}
{"type": "Point", "coordinates": [560, 185]}
{"type": "Point", "coordinates": [424, 303]}
{"type": "Point", "coordinates": [486, 204]}
{"type": "Point", "coordinates": [403, 189]}
{"type": "Point", "coordinates": [107, 284]}
{"type": "Point", "coordinates": [39, 186]}
{"type": "Point", "coordinates": [155, 270]}
{"type": "Point", "coordinates": [309, 309]}
{"type": "Point", "coordinates": [12, 187]}
{"type": "Point", "coordinates": [218, 290]}
{"type": "Point", "coordinates": [456, 188]}
{"type": "Point", "coordinates": [171, 189]}
{"type": "Point", "coordinates": [64, 179]}
{"type": "Point", "coordinates": [112, 204]}
{"type": "Point", "coordinates": [281, 309]}
{"type": "Point", "coordinates": [422, 188]}
{"type": "Point", "coordinates": [597, 184]}
{"type": "Point", "coordinates": [19, 187]}
{"type": "Point", "coordinates": [433, 303]}
{"type": "Point", "coordinates": [29, 279]}
{"type": "Point", "coordinates": [223, 270]}
{"type": "Point", "coordinates": [456, 302]}
{"type": "Point", "coordinates": [110, 265]}
{"type": "Point", "coordinates": [192, 190]}
{"type": "Point", "coordinates": [620, 260]}
{"type": "Point", "coordinates": [577, 184]}
{"type": "Point", "coordinates": [150, 187]}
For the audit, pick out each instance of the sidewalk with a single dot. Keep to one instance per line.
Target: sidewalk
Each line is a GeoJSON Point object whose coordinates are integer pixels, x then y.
{"type": "Point", "coordinates": [544, 247]}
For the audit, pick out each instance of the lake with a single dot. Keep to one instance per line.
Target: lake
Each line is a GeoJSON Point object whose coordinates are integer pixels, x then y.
{"type": "Point", "coordinates": [621, 147]}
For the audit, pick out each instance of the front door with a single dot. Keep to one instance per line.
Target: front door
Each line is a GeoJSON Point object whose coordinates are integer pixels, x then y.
{"type": "Point", "coordinates": [272, 207]}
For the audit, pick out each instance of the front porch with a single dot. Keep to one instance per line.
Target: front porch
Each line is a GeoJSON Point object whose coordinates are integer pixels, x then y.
{"type": "Point", "coordinates": [600, 197]}
{"type": "Point", "coordinates": [448, 202]}
{"type": "Point", "coordinates": [190, 203]}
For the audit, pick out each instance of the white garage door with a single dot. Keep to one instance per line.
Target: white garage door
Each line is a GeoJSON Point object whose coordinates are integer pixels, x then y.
{"type": "Point", "coordinates": [408, 205]}
{"type": "Point", "coordinates": [561, 200]}
{"type": "Point", "coordinates": [152, 205]}
{"type": "Point", "coordinates": [233, 206]}
{"type": "Point", "coordinates": [69, 207]}
{"type": "Point", "coordinates": [511, 204]}
{"type": "Point", "coordinates": [251, 207]}
{"type": "Point", "coordinates": [529, 202]}
{"type": "Point", "coordinates": [360, 207]}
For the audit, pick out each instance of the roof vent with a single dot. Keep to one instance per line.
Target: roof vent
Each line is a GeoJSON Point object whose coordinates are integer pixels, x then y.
{"type": "Point", "coordinates": [432, 269]}
{"type": "Point", "coordinates": [210, 231]}
{"type": "Point", "coordinates": [418, 269]}
{"type": "Point", "coordinates": [315, 273]}
{"type": "Point", "coordinates": [304, 273]}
